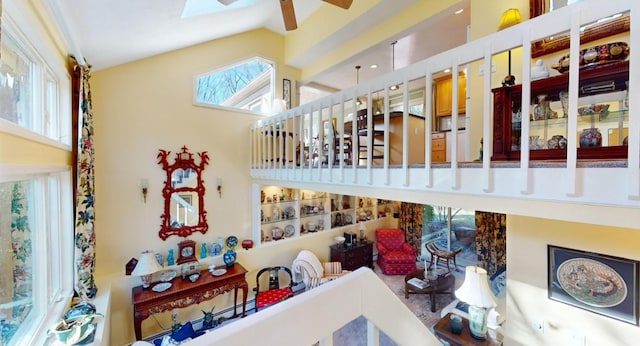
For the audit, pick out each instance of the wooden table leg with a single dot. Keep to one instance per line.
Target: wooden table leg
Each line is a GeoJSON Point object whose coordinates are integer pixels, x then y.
{"type": "Point", "coordinates": [432, 295]}
{"type": "Point", "coordinates": [245, 289]}
{"type": "Point", "coordinates": [137, 324]}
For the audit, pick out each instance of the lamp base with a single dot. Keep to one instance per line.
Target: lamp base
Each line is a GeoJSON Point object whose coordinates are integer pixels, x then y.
{"type": "Point", "coordinates": [478, 322]}
{"type": "Point", "coordinates": [146, 280]}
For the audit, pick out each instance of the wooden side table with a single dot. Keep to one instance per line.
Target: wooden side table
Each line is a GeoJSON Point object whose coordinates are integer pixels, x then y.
{"type": "Point", "coordinates": [443, 331]}
{"type": "Point", "coordinates": [443, 285]}
{"type": "Point", "coordinates": [353, 257]}
{"type": "Point", "coordinates": [183, 293]}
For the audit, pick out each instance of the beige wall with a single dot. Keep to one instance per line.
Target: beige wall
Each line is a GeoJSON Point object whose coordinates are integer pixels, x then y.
{"type": "Point", "coordinates": [527, 240]}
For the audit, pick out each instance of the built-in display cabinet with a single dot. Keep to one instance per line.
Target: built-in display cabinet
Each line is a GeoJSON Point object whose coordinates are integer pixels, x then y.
{"type": "Point", "coordinates": [602, 124]}
{"type": "Point", "coordinates": [286, 213]}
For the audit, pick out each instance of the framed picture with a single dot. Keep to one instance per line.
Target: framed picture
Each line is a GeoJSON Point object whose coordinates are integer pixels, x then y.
{"type": "Point", "coordinates": [602, 284]}
{"type": "Point", "coordinates": [286, 92]}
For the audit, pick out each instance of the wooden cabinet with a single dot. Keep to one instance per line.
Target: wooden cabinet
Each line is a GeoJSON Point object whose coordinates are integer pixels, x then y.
{"type": "Point", "coordinates": [443, 96]}
{"type": "Point", "coordinates": [602, 85]}
{"type": "Point", "coordinates": [438, 147]}
{"type": "Point", "coordinates": [353, 257]}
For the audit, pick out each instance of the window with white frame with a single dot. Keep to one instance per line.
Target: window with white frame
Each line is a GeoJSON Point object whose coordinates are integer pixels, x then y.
{"type": "Point", "coordinates": [30, 89]}
{"type": "Point", "coordinates": [248, 85]}
{"type": "Point", "coordinates": [36, 214]}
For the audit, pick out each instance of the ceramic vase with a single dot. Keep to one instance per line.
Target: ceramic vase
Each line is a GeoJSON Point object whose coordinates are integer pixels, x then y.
{"type": "Point", "coordinates": [229, 257]}
{"type": "Point", "coordinates": [542, 110]}
{"type": "Point", "coordinates": [591, 137]}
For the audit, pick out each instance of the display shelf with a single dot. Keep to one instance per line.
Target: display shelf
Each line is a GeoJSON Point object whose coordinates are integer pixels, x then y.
{"type": "Point", "coordinates": [600, 135]}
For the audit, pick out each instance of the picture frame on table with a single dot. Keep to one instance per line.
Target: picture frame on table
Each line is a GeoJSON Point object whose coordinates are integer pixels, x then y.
{"type": "Point", "coordinates": [602, 284]}
{"type": "Point", "coordinates": [286, 92]}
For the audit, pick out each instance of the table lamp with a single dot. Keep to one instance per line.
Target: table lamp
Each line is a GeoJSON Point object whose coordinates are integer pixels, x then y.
{"type": "Point", "coordinates": [147, 265]}
{"type": "Point", "coordinates": [475, 291]}
{"type": "Point", "coordinates": [509, 18]}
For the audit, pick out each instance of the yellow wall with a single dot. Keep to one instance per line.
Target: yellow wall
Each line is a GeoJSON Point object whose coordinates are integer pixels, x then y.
{"type": "Point", "coordinates": [24, 151]}
{"type": "Point", "coordinates": [145, 106]}
{"type": "Point", "coordinates": [527, 240]}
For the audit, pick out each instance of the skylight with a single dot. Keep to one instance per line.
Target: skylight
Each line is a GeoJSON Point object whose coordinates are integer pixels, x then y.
{"type": "Point", "coordinates": [194, 8]}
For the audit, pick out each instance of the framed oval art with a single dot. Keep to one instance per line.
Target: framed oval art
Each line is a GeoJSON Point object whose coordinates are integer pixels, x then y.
{"type": "Point", "coordinates": [603, 284]}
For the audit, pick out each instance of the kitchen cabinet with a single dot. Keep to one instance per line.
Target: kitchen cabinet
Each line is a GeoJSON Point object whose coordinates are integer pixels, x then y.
{"type": "Point", "coordinates": [601, 124]}
{"type": "Point", "coordinates": [443, 96]}
{"type": "Point", "coordinates": [438, 147]}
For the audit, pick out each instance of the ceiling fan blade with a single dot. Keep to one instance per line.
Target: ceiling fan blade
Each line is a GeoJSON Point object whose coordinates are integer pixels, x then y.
{"type": "Point", "coordinates": [340, 3]}
{"type": "Point", "coordinates": [227, 2]}
{"type": "Point", "coordinates": [288, 15]}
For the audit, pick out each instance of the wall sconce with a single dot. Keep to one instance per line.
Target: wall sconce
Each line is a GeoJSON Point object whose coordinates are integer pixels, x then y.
{"type": "Point", "coordinates": [144, 183]}
{"type": "Point", "coordinates": [219, 187]}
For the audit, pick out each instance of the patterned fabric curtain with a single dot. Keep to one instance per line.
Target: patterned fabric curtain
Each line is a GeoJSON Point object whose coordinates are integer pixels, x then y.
{"type": "Point", "coordinates": [411, 223]}
{"type": "Point", "coordinates": [491, 241]}
{"type": "Point", "coordinates": [85, 240]}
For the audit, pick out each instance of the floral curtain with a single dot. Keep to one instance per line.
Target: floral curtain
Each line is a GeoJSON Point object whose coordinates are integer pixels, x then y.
{"type": "Point", "coordinates": [491, 241]}
{"type": "Point", "coordinates": [411, 223]}
{"type": "Point", "coordinates": [84, 186]}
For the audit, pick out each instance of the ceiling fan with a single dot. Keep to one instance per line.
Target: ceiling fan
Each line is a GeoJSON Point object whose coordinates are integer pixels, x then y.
{"type": "Point", "coordinates": [288, 13]}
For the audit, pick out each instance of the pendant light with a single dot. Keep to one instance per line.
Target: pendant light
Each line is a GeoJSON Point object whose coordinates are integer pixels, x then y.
{"type": "Point", "coordinates": [358, 102]}
{"type": "Point", "coordinates": [393, 63]}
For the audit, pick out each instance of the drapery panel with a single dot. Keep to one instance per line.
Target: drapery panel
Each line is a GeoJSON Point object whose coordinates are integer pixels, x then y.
{"type": "Point", "coordinates": [411, 222]}
{"type": "Point", "coordinates": [85, 239]}
{"type": "Point", "coordinates": [491, 241]}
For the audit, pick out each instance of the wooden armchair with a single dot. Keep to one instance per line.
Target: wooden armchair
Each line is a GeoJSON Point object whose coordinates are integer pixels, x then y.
{"type": "Point", "coordinates": [442, 255]}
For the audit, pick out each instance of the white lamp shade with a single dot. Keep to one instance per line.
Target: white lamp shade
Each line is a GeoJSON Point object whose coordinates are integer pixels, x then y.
{"type": "Point", "coordinates": [147, 264]}
{"type": "Point", "coordinates": [475, 288]}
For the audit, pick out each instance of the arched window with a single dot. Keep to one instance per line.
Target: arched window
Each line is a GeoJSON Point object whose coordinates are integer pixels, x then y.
{"type": "Point", "coordinates": [248, 85]}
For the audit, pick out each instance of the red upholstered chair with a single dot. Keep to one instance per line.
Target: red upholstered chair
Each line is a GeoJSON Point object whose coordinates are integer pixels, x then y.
{"type": "Point", "coordinates": [275, 293]}
{"type": "Point", "coordinates": [395, 256]}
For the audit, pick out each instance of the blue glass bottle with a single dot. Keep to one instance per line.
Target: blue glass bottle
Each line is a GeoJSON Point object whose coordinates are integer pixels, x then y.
{"type": "Point", "coordinates": [170, 260]}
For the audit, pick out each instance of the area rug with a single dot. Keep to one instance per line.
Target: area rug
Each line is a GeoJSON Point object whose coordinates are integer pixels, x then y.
{"type": "Point", "coordinates": [354, 333]}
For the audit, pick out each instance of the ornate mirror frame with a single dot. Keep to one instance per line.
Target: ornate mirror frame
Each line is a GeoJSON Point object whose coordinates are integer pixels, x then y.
{"type": "Point", "coordinates": [592, 33]}
{"type": "Point", "coordinates": [183, 161]}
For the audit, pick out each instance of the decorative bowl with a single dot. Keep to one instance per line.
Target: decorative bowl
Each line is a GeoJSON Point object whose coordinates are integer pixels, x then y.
{"type": "Point", "coordinates": [339, 240]}
{"type": "Point", "coordinates": [72, 330]}
{"type": "Point", "coordinates": [311, 227]}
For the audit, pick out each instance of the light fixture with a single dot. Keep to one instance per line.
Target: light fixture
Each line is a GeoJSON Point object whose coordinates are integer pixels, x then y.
{"type": "Point", "coordinates": [374, 66]}
{"type": "Point", "coordinates": [358, 102]}
{"type": "Point", "coordinates": [475, 291]}
{"type": "Point", "coordinates": [146, 266]}
{"type": "Point", "coordinates": [393, 63]}
{"type": "Point", "coordinates": [144, 183]}
{"type": "Point", "coordinates": [509, 18]}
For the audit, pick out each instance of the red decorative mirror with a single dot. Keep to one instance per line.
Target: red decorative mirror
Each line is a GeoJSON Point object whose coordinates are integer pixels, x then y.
{"type": "Point", "coordinates": [183, 194]}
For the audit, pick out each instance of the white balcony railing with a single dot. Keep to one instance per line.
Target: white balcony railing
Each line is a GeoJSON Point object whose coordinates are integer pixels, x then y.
{"type": "Point", "coordinates": [313, 316]}
{"type": "Point", "coordinates": [610, 184]}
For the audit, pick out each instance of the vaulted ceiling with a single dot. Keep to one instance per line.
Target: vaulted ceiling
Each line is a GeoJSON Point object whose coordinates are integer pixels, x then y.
{"type": "Point", "coordinates": [110, 33]}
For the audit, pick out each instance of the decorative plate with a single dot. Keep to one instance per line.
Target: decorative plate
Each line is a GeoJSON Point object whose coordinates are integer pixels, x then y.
{"type": "Point", "coordinates": [289, 231]}
{"type": "Point", "coordinates": [218, 272]}
{"type": "Point", "coordinates": [167, 276]}
{"type": "Point", "coordinates": [291, 212]}
{"type": "Point", "coordinates": [591, 282]}
{"type": "Point", "coordinates": [232, 241]}
{"type": "Point", "coordinates": [161, 287]}
{"type": "Point", "coordinates": [348, 219]}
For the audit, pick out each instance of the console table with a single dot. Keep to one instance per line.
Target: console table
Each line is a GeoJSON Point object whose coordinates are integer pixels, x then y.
{"type": "Point", "coordinates": [183, 293]}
